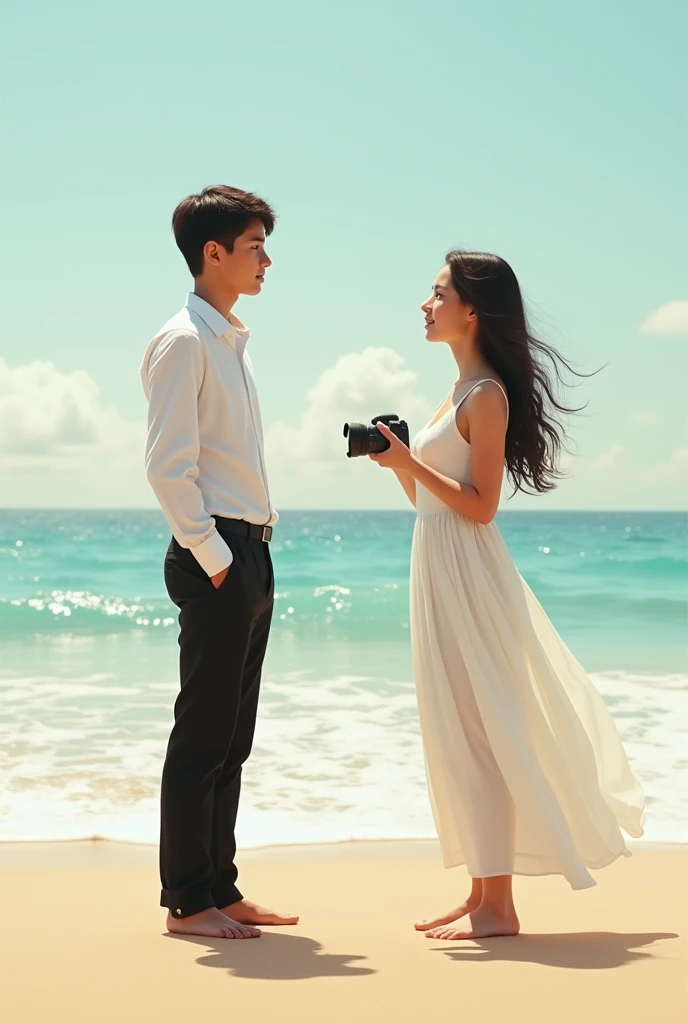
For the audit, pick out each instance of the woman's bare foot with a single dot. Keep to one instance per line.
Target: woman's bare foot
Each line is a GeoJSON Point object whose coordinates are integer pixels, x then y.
{"type": "Point", "coordinates": [251, 913]}
{"type": "Point", "coordinates": [484, 923]}
{"type": "Point", "coordinates": [471, 904]}
{"type": "Point", "coordinates": [436, 922]}
{"type": "Point", "coordinates": [211, 923]}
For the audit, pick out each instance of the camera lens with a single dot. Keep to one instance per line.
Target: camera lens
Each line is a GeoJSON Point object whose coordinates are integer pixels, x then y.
{"type": "Point", "coordinates": [357, 434]}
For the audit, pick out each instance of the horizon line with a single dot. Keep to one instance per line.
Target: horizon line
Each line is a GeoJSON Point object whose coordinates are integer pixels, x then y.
{"type": "Point", "coordinates": [147, 508]}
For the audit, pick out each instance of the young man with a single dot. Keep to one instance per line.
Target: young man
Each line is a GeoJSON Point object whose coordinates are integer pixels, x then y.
{"type": "Point", "coordinates": [204, 460]}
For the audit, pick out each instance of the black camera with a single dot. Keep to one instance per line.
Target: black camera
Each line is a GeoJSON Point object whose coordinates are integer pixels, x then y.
{"type": "Point", "coordinates": [365, 440]}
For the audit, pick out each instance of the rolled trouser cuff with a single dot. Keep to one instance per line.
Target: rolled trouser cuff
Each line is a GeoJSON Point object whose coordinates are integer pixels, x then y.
{"type": "Point", "coordinates": [226, 897]}
{"type": "Point", "coordinates": [184, 904]}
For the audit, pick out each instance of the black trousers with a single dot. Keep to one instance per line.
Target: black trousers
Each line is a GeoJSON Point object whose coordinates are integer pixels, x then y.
{"type": "Point", "coordinates": [222, 640]}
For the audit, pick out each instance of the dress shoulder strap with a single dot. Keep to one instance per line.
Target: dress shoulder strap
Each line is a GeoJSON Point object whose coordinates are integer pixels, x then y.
{"type": "Point", "coordinates": [483, 381]}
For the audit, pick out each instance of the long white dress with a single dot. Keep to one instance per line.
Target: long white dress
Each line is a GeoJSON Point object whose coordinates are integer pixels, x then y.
{"type": "Point", "coordinates": [526, 771]}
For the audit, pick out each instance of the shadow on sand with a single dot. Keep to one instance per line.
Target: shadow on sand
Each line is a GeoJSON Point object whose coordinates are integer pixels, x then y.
{"type": "Point", "coordinates": [586, 951]}
{"type": "Point", "coordinates": [277, 956]}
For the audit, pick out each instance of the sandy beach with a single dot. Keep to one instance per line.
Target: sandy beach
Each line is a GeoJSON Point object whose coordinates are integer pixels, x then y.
{"type": "Point", "coordinates": [84, 941]}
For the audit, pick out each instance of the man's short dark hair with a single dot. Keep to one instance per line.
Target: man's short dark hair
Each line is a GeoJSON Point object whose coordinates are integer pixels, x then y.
{"type": "Point", "coordinates": [217, 214]}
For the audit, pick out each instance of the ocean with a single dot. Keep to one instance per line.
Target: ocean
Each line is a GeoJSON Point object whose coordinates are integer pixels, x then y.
{"type": "Point", "coordinates": [89, 668]}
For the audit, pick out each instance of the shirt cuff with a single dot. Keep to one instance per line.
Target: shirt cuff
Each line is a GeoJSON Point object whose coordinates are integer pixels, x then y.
{"type": "Point", "coordinates": [213, 555]}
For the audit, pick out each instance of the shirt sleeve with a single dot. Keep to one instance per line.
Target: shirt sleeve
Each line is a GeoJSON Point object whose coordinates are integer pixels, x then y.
{"type": "Point", "coordinates": [175, 374]}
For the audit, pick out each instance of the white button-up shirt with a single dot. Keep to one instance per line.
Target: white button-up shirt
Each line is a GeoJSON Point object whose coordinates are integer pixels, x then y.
{"type": "Point", "coordinates": [204, 454]}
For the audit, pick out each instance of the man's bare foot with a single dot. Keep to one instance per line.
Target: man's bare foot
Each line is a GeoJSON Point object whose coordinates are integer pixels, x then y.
{"type": "Point", "coordinates": [484, 923]}
{"type": "Point", "coordinates": [251, 913]}
{"type": "Point", "coordinates": [436, 922]}
{"type": "Point", "coordinates": [211, 923]}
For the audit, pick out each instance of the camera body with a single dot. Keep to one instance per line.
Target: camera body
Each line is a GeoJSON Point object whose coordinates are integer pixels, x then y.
{"type": "Point", "coordinates": [365, 440]}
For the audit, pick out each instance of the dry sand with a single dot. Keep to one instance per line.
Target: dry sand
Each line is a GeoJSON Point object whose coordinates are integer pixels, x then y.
{"type": "Point", "coordinates": [84, 941]}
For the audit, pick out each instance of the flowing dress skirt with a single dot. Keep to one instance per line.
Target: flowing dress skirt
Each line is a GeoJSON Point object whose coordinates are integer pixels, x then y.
{"type": "Point", "coordinates": [526, 770]}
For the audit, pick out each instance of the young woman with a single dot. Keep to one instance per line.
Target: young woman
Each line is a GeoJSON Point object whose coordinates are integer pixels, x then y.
{"type": "Point", "coordinates": [526, 771]}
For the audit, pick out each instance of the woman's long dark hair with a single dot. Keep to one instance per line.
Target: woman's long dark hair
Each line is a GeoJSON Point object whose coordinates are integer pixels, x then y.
{"type": "Point", "coordinates": [534, 436]}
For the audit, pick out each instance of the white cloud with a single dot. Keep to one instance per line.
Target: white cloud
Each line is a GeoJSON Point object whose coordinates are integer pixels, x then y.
{"type": "Point", "coordinates": [611, 459]}
{"type": "Point", "coordinates": [63, 443]}
{"type": "Point", "coordinates": [675, 466]}
{"type": "Point", "coordinates": [359, 386]}
{"type": "Point", "coordinates": [643, 418]}
{"type": "Point", "coordinates": [61, 446]}
{"type": "Point", "coordinates": [308, 462]}
{"type": "Point", "coordinates": [678, 460]}
{"type": "Point", "coordinates": [64, 447]}
{"type": "Point", "coordinates": [670, 476]}
{"type": "Point", "coordinates": [45, 412]}
{"type": "Point", "coordinates": [671, 318]}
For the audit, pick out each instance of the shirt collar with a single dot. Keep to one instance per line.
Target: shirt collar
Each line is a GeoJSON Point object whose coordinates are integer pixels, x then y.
{"type": "Point", "coordinates": [217, 323]}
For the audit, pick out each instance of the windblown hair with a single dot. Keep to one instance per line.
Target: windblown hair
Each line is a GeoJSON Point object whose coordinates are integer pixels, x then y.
{"type": "Point", "coordinates": [527, 365]}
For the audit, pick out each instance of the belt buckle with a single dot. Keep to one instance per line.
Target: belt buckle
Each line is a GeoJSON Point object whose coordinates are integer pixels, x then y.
{"type": "Point", "coordinates": [267, 533]}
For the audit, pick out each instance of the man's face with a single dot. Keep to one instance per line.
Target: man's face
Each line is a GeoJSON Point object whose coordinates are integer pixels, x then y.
{"type": "Point", "coordinates": [243, 269]}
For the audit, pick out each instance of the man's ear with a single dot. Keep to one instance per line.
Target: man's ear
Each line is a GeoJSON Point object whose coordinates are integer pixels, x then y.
{"type": "Point", "coordinates": [211, 253]}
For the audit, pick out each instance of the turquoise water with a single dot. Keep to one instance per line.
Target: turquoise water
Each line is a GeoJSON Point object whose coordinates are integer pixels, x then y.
{"type": "Point", "coordinates": [613, 583]}
{"type": "Point", "coordinates": [88, 672]}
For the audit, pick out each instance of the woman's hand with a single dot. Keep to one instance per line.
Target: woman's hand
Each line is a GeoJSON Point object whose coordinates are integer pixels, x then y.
{"type": "Point", "coordinates": [397, 456]}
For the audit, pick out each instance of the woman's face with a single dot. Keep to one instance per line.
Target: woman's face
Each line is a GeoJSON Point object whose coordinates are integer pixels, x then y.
{"type": "Point", "coordinates": [447, 317]}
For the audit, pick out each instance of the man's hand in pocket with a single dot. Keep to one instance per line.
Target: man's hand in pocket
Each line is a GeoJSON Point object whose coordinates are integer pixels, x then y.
{"type": "Point", "coordinates": [218, 579]}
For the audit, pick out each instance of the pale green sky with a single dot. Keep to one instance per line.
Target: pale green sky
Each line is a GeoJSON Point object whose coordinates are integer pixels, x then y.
{"type": "Point", "coordinates": [384, 133]}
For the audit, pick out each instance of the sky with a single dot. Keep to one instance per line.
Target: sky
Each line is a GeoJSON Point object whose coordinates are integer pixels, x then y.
{"type": "Point", "coordinates": [384, 133]}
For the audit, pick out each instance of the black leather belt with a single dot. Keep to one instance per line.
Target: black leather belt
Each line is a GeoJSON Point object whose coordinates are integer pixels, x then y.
{"type": "Point", "coordinates": [243, 528]}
